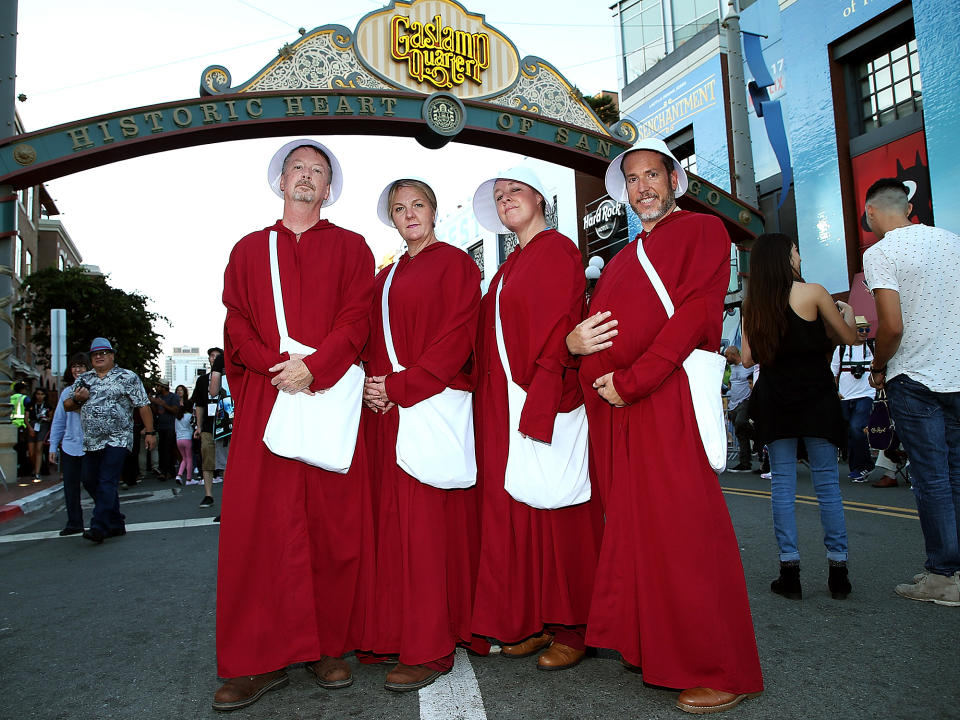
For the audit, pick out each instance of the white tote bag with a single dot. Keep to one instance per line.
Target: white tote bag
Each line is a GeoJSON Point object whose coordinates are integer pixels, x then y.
{"type": "Point", "coordinates": [541, 475]}
{"type": "Point", "coordinates": [320, 429]}
{"type": "Point", "coordinates": [704, 371]}
{"type": "Point", "coordinates": [435, 436]}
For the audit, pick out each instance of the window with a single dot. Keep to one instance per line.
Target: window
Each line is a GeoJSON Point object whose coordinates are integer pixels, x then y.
{"type": "Point", "coordinates": [17, 255]}
{"type": "Point", "coordinates": [889, 85]}
{"type": "Point", "coordinates": [476, 252]}
{"type": "Point", "coordinates": [691, 16]}
{"type": "Point", "coordinates": [62, 263]}
{"type": "Point", "coordinates": [28, 265]}
{"type": "Point", "coordinates": [641, 23]}
{"type": "Point", "coordinates": [682, 147]}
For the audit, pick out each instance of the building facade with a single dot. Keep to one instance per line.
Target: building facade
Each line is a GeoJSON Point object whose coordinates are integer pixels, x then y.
{"type": "Point", "coordinates": [863, 90]}
{"type": "Point", "coordinates": [184, 365]}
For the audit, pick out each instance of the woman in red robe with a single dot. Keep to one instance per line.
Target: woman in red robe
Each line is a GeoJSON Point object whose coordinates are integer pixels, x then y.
{"type": "Point", "coordinates": [427, 538]}
{"type": "Point", "coordinates": [536, 566]}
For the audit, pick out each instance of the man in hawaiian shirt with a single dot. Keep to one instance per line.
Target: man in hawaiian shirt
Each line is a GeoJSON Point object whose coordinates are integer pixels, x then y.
{"type": "Point", "coordinates": [105, 398]}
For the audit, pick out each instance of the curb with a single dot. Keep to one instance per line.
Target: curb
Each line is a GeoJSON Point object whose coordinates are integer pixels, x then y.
{"type": "Point", "coordinates": [28, 504]}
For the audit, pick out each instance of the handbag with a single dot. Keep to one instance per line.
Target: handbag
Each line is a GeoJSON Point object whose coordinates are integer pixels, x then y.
{"type": "Point", "coordinates": [320, 429]}
{"type": "Point", "coordinates": [435, 441]}
{"type": "Point", "coordinates": [542, 475]}
{"type": "Point", "coordinates": [704, 370]}
{"type": "Point", "coordinates": [881, 432]}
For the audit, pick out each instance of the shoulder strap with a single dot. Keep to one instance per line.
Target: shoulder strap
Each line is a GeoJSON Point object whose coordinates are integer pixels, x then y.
{"type": "Point", "coordinates": [385, 313]}
{"type": "Point", "coordinates": [654, 278]}
{"type": "Point", "coordinates": [500, 344]}
{"type": "Point", "coordinates": [275, 282]}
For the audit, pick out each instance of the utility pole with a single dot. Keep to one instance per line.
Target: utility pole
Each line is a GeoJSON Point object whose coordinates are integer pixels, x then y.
{"type": "Point", "coordinates": [745, 184]}
{"type": "Point", "coordinates": [8, 230]}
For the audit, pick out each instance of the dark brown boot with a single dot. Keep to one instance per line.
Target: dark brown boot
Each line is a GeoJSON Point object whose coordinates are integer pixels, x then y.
{"type": "Point", "coordinates": [239, 692]}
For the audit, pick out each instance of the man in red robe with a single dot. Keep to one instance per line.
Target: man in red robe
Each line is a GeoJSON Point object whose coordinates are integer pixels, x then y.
{"type": "Point", "coordinates": [669, 592]}
{"type": "Point", "coordinates": [296, 542]}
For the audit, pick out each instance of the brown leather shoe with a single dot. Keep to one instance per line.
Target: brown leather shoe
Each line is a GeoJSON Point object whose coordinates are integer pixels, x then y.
{"type": "Point", "coordinates": [885, 481]}
{"type": "Point", "coordinates": [404, 678]}
{"type": "Point", "coordinates": [559, 657]}
{"type": "Point", "coordinates": [701, 701]}
{"type": "Point", "coordinates": [530, 646]}
{"type": "Point", "coordinates": [239, 692]}
{"type": "Point", "coordinates": [630, 666]}
{"type": "Point", "coordinates": [331, 673]}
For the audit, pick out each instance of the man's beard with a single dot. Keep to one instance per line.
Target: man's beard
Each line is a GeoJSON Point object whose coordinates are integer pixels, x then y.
{"type": "Point", "coordinates": [302, 193]}
{"type": "Point", "coordinates": [666, 203]}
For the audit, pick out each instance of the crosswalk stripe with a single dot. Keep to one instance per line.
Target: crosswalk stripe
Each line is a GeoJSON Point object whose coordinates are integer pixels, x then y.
{"type": "Point", "coordinates": [133, 527]}
{"type": "Point", "coordinates": [454, 696]}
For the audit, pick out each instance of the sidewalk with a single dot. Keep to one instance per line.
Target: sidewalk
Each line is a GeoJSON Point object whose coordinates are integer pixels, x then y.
{"type": "Point", "coordinates": [23, 495]}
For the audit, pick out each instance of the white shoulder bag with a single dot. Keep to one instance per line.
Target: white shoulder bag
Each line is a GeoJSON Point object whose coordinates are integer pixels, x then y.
{"type": "Point", "coordinates": [435, 438]}
{"type": "Point", "coordinates": [542, 475]}
{"type": "Point", "coordinates": [704, 371]}
{"type": "Point", "coordinates": [320, 429]}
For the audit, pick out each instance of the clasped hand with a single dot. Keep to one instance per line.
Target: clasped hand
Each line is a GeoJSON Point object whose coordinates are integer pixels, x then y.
{"type": "Point", "coordinates": [293, 376]}
{"type": "Point", "coordinates": [375, 394]}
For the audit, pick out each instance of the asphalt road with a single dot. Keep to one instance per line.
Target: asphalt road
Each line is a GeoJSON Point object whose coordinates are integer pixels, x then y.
{"type": "Point", "coordinates": [126, 629]}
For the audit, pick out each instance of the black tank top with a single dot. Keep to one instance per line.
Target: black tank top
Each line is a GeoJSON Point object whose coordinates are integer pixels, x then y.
{"type": "Point", "coordinates": [795, 395]}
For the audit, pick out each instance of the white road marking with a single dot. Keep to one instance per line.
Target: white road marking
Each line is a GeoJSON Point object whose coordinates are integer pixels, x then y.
{"type": "Point", "coordinates": [135, 527]}
{"type": "Point", "coordinates": [454, 696]}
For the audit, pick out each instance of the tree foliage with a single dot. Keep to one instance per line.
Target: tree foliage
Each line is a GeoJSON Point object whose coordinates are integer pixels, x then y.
{"type": "Point", "coordinates": [604, 107]}
{"type": "Point", "coordinates": [94, 309]}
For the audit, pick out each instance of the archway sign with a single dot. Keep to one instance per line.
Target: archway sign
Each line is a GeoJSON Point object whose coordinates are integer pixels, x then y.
{"type": "Point", "coordinates": [427, 69]}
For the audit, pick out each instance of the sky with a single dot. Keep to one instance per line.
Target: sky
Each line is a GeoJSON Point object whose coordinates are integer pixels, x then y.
{"type": "Point", "coordinates": [163, 225]}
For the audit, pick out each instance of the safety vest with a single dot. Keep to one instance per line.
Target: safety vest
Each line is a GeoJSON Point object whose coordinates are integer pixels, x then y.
{"type": "Point", "coordinates": [18, 415]}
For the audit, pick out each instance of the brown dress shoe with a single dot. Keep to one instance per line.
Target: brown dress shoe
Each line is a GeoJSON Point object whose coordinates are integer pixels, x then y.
{"type": "Point", "coordinates": [404, 678]}
{"type": "Point", "coordinates": [530, 646]}
{"type": "Point", "coordinates": [331, 673]}
{"type": "Point", "coordinates": [559, 657]}
{"type": "Point", "coordinates": [701, 701]}
{"type": "Point", "coordinates": [885, 481]}
{"type": "Point", "coordinates": [239, 692]}
{"type": "Point", "coordinates": [630, 666]}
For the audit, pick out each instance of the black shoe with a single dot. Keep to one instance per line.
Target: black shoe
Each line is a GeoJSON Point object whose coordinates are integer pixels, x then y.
{"type": "Point", "coordinates": [94, 536]}
{"type": "Point", "coordinates": [116, 532]}
{"type": "Point", "coordinates": [70, 531]}
{"type": "Point", "coordinates": [837, 581]}
{"type": "Point", "coordinates": [788, 584]}
{"type": "Point", "coordinates": [742, 467]}
{"type": "Point", "coordinates": [206, 502]}
{"type": "Point", "coordinates": [217, 519]}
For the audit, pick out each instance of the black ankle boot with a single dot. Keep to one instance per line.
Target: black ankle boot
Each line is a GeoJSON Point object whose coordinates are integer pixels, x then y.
{"type": "Point", "coordinates": [788, 584]}
{"type": "Point", "coordinates": [837, 581]}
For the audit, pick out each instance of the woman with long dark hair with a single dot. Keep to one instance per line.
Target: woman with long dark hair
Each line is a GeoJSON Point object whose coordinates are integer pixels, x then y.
{"type": "Point", "coordinates": [790, 328]}
{"type": "Point", "coordinates": [184, 432]}
{"type": "Point", "coordinates": [39, 416]}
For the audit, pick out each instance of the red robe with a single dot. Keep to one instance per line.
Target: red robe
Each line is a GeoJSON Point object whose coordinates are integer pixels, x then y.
{"type": "Point", "coordinates": [427, 539]}
{"type": "Point", "coordinates": [296, 542]}
{"type": "Point", "coordinates": [536, 566]}
{"type": "Point", "coordinates": [669, 593]}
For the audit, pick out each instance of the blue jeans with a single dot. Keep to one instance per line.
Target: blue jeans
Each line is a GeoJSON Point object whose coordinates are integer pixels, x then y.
{"type": "Point", "coordinates": [101, 476]}
{"type": "Point", "coordinates": [70, 466]}
{"type": "Point", "coordinates": [822, 456]}
{"type": "Point", "coordinates": [856, 413]}
{"type": "Point", "coordinates": [928, 425]}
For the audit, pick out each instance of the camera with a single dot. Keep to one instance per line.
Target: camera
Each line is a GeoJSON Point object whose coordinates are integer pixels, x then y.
{"type": "Point", "coordinates": [858, 370]}
{"type": "Point", "coordinates": [81, 383]}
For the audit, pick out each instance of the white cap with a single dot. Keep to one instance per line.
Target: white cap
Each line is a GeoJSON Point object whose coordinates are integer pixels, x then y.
{"type": "Point", "coordinates": [383, 212]}
{"type": "Point", "coordinates": [484, 206]}
{"type": "Point", "coordinates": [617, 185]}
{"type": "Point", "coordinates": [275, 169]}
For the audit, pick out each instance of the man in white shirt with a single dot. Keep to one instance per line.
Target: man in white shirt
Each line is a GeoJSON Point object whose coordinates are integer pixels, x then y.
{"type": "Point", "coordinates": [741, 385]}
{"type": "Point", "coordinates": [912, 274]}
{"type": "Point", "coordinates": [851, 368]}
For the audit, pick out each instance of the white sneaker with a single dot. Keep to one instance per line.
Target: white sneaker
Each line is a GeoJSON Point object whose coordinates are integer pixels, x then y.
{"type": "Point", "coordinates": [766, 476]}
{"type": "Point", "coordinates": [939, 589]}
